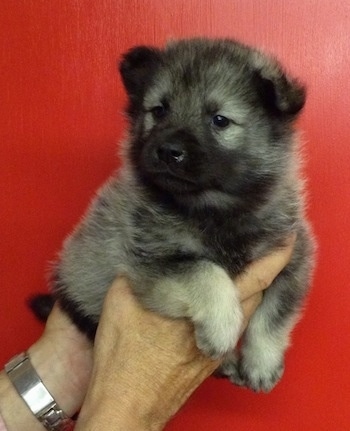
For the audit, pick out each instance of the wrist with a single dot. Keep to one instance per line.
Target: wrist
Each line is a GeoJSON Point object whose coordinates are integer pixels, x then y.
{"type": "Point", "coordinates": [64, 370]}
{"type": "Point", "coordinates": [13, 409]}
{"type": "Point", "coordinates": [55, 375]}
{"type": "Point", "coordinates": [25, 401]}
{"type": "Point", "coordinates": [34, 393]}
{"type": "Point", "coordinates": [62, 358]}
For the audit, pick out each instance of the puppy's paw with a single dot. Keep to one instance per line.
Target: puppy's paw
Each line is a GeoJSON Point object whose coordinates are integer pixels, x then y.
{"type": "Point", "coordinates": [217, 336]}
{"type": "Point", "coordinates": [214, 347]}
{"type": "Point", "coordinates": [215, 310]}
{"type": "Point", "coordinates": [255, 376]}
{"type": "Point", "coordinates": [230, 369]}
{"type": "Point", "coordinates": [260, 378]}
{"type": "Point", "coordinates": [261, 364]}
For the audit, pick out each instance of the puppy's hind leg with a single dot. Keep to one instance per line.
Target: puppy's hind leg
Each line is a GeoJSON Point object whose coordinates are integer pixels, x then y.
{"type": "Point", "coordinates": [204, 293]}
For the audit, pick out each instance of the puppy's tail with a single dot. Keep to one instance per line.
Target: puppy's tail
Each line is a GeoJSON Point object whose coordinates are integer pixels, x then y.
{"type": "Point", "coordinates": [41, 305]}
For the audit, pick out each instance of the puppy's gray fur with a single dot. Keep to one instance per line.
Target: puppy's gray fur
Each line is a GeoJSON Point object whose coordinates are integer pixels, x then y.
{"type": "Point", "coordinates": [209, 183]}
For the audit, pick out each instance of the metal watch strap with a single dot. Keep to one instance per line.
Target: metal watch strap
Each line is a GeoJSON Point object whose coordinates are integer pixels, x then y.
{"type": "Point", "coordinates": [39, 400]}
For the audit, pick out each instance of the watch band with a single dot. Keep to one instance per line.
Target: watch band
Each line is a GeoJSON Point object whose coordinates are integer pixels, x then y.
{"type": "Point", "coordinates": [39, 400]}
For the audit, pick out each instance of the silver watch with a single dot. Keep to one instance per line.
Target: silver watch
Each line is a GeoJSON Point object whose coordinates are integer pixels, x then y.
{"type": "Point", "coordinates": [39, 400]}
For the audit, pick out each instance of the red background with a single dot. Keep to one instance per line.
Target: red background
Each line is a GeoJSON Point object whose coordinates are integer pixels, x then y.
{"type": "Point", "coordinates": [60, 119]}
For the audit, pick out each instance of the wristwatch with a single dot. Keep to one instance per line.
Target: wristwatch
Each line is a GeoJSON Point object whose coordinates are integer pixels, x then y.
{"type": "Point", "coordinates": [33, 391]}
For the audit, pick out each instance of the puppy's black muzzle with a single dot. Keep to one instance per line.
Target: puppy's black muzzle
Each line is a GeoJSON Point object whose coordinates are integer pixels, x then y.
{"type": "Point", "coordinates": [174, 150]}
{"type": "Point", "coordinates": [171, 153]}
{"type": "Point", "coordinates": [170, 160]}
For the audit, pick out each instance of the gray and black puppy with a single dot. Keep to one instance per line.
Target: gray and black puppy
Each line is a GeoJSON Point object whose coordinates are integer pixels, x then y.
{"type": "Point", "coordinates": [209, 183]}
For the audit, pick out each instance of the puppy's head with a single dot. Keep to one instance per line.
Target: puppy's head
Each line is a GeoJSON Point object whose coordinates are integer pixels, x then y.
{"type": "Point", "coordinates": [211, 121]}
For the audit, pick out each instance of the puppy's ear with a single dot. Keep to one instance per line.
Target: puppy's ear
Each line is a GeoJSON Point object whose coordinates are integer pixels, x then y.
{"type": "Point", "coordinates": [137, 69]}
{"type": "Point", "coordinates": [280, 94]}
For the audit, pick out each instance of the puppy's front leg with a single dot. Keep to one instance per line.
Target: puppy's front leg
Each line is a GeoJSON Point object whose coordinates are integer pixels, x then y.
{"type": "Point", "coordinates": [204, 293]}
{"type": "Point", "coordinates": [266, 338]}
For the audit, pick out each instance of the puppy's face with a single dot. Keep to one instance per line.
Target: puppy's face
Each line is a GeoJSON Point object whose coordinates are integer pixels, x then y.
{"type": "Point", "coordinates": [211, 120]}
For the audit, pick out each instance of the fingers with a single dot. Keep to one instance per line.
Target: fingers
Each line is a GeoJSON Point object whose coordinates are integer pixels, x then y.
{"type": "Point", "coordinates": [261, 273]}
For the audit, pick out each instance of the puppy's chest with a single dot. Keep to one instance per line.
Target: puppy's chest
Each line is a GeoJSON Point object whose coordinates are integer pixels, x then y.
{"type": "Point", "coordinates": [228, 248]}
{"type": "Point", "coordinates": [171, 245]}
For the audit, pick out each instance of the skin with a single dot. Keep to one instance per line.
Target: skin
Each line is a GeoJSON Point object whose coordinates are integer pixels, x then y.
{"type": "Point", "coordinates": [142, 368]}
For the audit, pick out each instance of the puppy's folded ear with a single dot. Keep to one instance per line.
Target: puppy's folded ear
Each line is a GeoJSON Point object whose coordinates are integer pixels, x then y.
{"type": "Point", "coordinates": [280, 94]}
{"type": "Point", "coordinates": [137, 69]}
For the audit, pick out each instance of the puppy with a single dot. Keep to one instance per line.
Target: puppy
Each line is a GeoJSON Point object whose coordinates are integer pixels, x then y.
{"type": "Point", "coordinates": [209, 183]}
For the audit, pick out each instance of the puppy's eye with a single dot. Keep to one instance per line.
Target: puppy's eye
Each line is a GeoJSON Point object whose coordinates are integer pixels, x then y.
{"type": "Point", "coordinates": [159, 112]}
{"type": "Point", "coordinates": [220, 121]}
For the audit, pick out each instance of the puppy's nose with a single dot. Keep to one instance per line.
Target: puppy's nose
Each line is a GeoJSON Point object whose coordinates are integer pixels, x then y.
{"type": "Point", "coordinates": [171, 152]}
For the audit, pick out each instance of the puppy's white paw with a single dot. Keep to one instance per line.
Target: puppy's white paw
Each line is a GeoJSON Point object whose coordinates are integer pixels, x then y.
{"type": "Point", "coordinates": [262, 363]}
{"type": "Point", "coordinates": [214, 346]}
{"type": "Point", "coordinates": [218, 333]}
{"type": "Point", "coordinates": [262, 377]}
{"type": "Point", "coordinates": [213, 305]}
{"type": "Point", "coordinates": [258, 377]}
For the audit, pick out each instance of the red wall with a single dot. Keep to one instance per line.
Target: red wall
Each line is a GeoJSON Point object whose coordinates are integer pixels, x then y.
{"type": "Point", "coordinates": [60, 119]}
